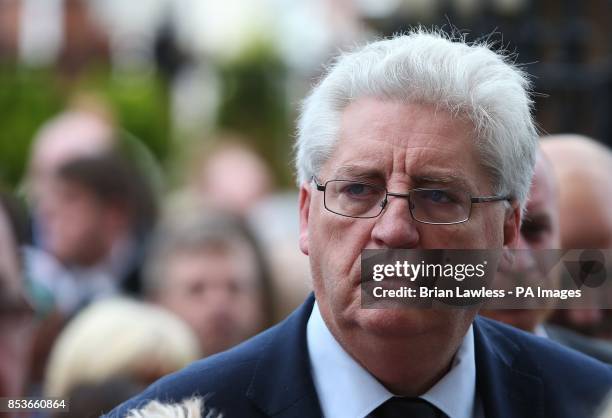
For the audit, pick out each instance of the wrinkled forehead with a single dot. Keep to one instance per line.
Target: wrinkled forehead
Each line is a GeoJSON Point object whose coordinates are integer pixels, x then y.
{"type": "Point", "coordinates": [423, 143]}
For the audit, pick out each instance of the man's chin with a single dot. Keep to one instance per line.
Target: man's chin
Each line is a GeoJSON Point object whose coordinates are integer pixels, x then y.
{"type": "Point", "coordinates": [403, 322]}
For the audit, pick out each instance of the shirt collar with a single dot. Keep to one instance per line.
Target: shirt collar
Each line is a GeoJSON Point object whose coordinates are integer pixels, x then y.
{"type": "Point", "coordinates": [346, 390]}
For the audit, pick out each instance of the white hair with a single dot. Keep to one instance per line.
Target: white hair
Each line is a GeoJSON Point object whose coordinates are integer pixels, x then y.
{"type": "Point", "coordinates": [430, 67]}
{"type": "Point", "coordinates": [188, 408]}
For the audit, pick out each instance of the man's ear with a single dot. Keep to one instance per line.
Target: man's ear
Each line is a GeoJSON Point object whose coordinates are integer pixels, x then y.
{"type": "Point", "coordinates": [512, 225]}
{"type": "Point", "coordinates": [304, 205]}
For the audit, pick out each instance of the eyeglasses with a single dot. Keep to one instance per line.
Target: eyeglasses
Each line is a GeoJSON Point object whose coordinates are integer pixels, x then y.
{"type": "Point", "coordinates": [356, 199]}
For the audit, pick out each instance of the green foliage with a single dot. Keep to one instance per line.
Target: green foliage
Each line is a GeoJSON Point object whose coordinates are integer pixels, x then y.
{"type": "Point", "coordinates": [27, 99]}
{"type": "Point", "coordinates": [254, 103]}
{"type": "Point", "coordinates": [140, 103]}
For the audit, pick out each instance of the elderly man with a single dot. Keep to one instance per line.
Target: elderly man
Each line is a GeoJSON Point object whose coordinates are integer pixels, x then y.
{"type": "Point", "coordinates": [412, 142]}
{"type": "Point", "coordinates": [540, 230]}
{"type": "Point", "coordinates": [583, 168]}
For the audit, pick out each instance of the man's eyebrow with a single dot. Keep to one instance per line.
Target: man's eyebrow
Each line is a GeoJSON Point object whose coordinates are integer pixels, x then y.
{"type": "Point", "coordinates": [356, 172]}
{"type": "Point", "coordinates": [446, 179]}
{"type": "Point", "coordinates": [353, 172]}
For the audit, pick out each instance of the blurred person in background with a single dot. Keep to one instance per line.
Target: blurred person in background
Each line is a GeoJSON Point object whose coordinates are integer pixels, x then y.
{"type": "Point", "coordinates": [583, 168]}
{"type": "Point", "coordinates": [540, 231]}
{"type": "Point", "coordinates": [276, 227]}
{"type": "Point", "coordinates": [72, 134]}
{"type": "Point", "coordinates": [118, 340]}
{"type": "Point", "coordinates": [87, 239]}
{"type": "Point", "coordinates": [16, 313]}
{"type": "Point", "coordinates": [96, 221]}
{"type": "Point", "coordinates": [77, 132]}
{"type": "Point", "coordinates": [207, 269]}
{"type": "Point", "coordinates": [230, 175]}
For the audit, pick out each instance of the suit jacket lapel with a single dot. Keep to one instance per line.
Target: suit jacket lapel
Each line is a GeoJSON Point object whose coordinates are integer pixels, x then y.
{"type": "Point", "coordinates": [282, 384]}
{"type": "Point", "coordinates": [507, 387]}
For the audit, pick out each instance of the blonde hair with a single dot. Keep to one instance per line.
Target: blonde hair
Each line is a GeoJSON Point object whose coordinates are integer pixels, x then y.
{"type": "Point", "coordinates": [119, 337]}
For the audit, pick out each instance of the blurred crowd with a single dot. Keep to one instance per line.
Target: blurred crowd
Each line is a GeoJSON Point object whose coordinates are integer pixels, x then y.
{"type": "Point", "coordinates": [109, 280]}
{"type": "Point", "coordinates": [107, 285]}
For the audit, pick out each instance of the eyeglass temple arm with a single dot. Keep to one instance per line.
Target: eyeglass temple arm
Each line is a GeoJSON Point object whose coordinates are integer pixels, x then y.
{"type": "Point", "coordinates": [320, 187]}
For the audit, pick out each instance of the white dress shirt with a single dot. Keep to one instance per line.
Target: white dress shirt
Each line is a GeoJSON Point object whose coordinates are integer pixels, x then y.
{"type": "Point", "coordinates": [346, 390]}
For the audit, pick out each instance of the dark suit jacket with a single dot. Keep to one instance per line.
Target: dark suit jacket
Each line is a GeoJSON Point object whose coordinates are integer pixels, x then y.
{"type": "Point", "coordinates": [518, 375]}
{"type": "Point", "coordinates": [593, 347]}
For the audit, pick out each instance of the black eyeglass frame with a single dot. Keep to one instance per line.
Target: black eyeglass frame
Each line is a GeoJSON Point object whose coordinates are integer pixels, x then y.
{"type": "Point", "coordinates": [479, 199]}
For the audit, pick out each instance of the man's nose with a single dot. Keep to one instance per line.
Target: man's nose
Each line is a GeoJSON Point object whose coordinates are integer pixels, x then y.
{"type": "Point", "coordinates": [395, 227]}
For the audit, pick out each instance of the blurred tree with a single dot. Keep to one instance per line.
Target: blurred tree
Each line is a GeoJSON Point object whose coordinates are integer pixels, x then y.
{"type": "Point", "coordinates": [140, 104]}
{"type": "Point", "coordinates": [254, 103]}
{"type": "Point", "coordinates": [27, 99]}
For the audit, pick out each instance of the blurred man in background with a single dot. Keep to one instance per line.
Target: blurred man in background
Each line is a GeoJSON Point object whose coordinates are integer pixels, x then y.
{"type": "Point", "coordinates": [230, 175]}
{"type": "Point", "coordinates": [540, 231]}
{"type": "Point", "coordinates": [207, 269]}
{"type": "Point", "coordinates": [97, 214]}
{"type": "Point", "coordinates": [91, 210]}
{"type": "Point", "coordinates": [227, 173]}
{"type": "Point", "coordinates": [72, 134]}
{"type": "Point", "coordinates": [583, 168]}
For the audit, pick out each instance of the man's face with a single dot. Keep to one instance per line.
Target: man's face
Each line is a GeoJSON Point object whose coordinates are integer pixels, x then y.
{"type": "Point", "coordinates": [540, 227]}
{"type": "Point", "coordinates": [75, 224]}
{"type": "Point", "coordinates": [217, 292]}
{"type": "Point", "coordinates": [400, 146]}
{"type": "Point", "coordinates": [539, 231]}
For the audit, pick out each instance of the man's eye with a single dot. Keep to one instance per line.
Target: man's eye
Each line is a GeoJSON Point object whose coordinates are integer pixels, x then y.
{"type": "Point", "coordinates": [355, 188]}
{"type": "Point", "coordinates": [438, 196]}
{"type": "Point", "coordinates": [358, 190]}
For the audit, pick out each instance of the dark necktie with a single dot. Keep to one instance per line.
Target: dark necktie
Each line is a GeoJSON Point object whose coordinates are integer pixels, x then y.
{"type": "Point", "coordinates": [397, 407]}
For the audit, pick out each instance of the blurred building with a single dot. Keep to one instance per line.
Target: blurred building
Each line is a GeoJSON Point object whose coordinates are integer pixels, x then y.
{"type": "Point", "coordinates": [244, 64]}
